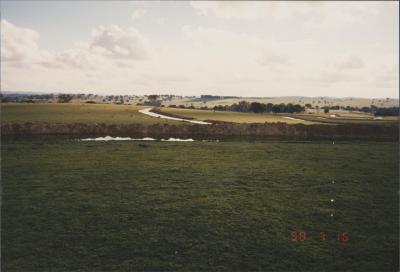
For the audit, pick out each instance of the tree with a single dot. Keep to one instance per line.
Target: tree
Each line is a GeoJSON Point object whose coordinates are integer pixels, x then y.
{"type": "Point", "coordinates": [276, 108]}
{"type": "Point", "coordinates": [153, 97]}
{"type": "Point", "coordinates": [366, 109]}
{"type": "Point", "coordinates": [289, 108]}
{"type": "Point", "coordinates": [298, 108]}
{"type": "Point", "coordinates": [268, 108]}
{"type": "Point", "coordinates": [326, 110]}
{"type": "Point", "coordinates": [243, 106]}
{"type": "Point", "coordinates": [64, 98]}
{"type": "Point", "coordinates": [393, 111]}
{"type": "Point", "coordinates": [257, 107]}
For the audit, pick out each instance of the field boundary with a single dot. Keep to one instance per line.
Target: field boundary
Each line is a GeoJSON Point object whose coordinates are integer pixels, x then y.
{"type": "Point", "coordinates": [266, 130]}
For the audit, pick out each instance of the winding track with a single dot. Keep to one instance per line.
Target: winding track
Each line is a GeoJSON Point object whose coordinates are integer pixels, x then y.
{"type": "Point", "coordinates": [147, 111]}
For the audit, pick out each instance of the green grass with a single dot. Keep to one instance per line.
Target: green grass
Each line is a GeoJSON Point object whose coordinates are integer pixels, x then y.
{"type": "Point", "coordinates": [76, 113]}
{"type": "Point", "coordinates": [126, 114]}
{"type": "Point", "coordinates": [307, 119]}
{"type": "Point", "coordinates": [103, 206]}
{"type": "Point", "coordinates": [347, 120]}
{"type": "Point", "coordinates": [236, 117]}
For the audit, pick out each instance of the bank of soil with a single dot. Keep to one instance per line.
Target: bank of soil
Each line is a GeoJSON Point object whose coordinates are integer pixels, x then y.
{"type": "Point", "coordinates": [215, 130]}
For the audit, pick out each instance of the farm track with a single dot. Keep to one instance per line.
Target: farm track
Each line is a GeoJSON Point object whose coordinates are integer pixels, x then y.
{"type": "Point", "coordinates": [152, 113]}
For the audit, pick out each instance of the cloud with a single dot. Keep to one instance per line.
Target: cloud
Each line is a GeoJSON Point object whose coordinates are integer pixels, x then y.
{"type": "Point", "coordinates": [247, 48]}
{"type": "Point", "coordinates": [120, 43]}
{"type": "Point", "coordinates": [330, 77]}
{"type": "Point", "coordinates": [212, 35]}
{"type": "Point", "coordinates": [19, 45]}
{"type": "Point", "coordinates": [311, 14]}
{"type": "Point", "coordinates": [232, 10]}
{"type": "Point", "coordinates": [273, 58]}
{"type": "Point", "coordinates": [108, 46]}
{"type": "Point", "coordinates": [138, 14]}
{"type": "Point", "coordinates": [386, 76]}
{"type": "Point", "coordinates": [352, 62]}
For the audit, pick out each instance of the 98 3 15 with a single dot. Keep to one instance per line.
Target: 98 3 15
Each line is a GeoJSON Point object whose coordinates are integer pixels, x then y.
{"type": "Point", "coordinates": [301, 236]}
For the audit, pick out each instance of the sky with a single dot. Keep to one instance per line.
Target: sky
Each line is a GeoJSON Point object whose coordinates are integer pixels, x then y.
{"type": "Point", "coordinates": [336, 49]}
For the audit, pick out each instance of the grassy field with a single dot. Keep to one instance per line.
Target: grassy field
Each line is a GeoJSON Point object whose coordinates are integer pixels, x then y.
{"type": "Point", "coordinates": [121, 114]}
{"type": "Point", "coordinates": [129, 206]}
{"type": "Point", "coordinates": [76, 113]}
{"type": "Point", "coordinates": [348, 119]}
{"type": "Point", "coordinates": [236, 117]}
{"type": "Point", "coordinates": [127, 114]}
{"type": "Point", "coordinates": [307, 119]}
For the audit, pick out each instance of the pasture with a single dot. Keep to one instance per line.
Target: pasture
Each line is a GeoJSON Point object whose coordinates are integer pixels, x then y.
{"type": "Point", "coordinates": [341, 117]}
{"type": "Point", "coordinates": [76, 113]}
{"type": "Point", "coordinates": [236, 117]}
{"type": "Point", "coordinates": [231, 206]}
{"type": "Point", "coordinates": [128, 114]}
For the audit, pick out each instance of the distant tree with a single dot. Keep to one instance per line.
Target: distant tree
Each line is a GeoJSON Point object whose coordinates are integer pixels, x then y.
{"type": "Point", "coordinates": [335, 107]}
{"type": "Point", "coordinates": [276, 108]}
{"type": "Point", "coordinates": [64, 98]}
{"type": "Point", "coordinates": [268, 107]}
{"type": "Point", "coordinates": [308, 106]}
{"type": "Point", "coordinates": [326, 110]}
{"type": "Point", "coordinates": [242, 106]}
{"type": "Point", "coordinates": [257, 107]}
{"type": "Point", "coordinates": [153, 97]}
{"type": "Point", "coordinates": [393, 111]}
{"type": "Point", "coordinates": [289, 108]}
{"type": "Point", "coordinates": [298, 108]}
{"type": "Point", "coordinates": [366, 109]}
{"type": "Point", "coordinates": [219, 108]}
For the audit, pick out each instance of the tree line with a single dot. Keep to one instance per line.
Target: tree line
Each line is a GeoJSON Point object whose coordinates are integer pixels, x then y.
{"type": "Point", "coordinates": [256, 107]}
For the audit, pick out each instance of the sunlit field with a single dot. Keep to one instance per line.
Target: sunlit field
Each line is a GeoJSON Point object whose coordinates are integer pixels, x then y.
{"type": "Point", "coordinates": [334, 117]}
{"type": "Point", "coordinates": [76, 113]}
{"type": "Point", "coordinates": [236, 117]}
{"type": "Point", "coordinates": [128, 114]}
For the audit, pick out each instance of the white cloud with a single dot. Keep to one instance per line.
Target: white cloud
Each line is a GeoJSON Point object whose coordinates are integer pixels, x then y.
{"type": "Point", "coordinates": [19, 46]}
{"type": "Point", "coordinates": [352, 62]}
{"type": "Point", "coordinates": [109, 45]}
{"type": "Point", "coordinates": [161, 21]}
{"type": "Point", "coordinates": [138, 14]}
{"type": "Point", "coordinates": [311, 14]}
{"type": "Point", "coordinates": [121, 43]}
{"type": "Point", "coordinates": [232, 9]}
{"type": "Point", "coordinates": [274, 58]}
{"type": "Point", "coordinates": [386, 76]}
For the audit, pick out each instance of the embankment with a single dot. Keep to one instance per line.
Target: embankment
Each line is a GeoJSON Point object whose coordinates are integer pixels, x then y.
{"type": "Point", "coordinates": [267, 130]}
